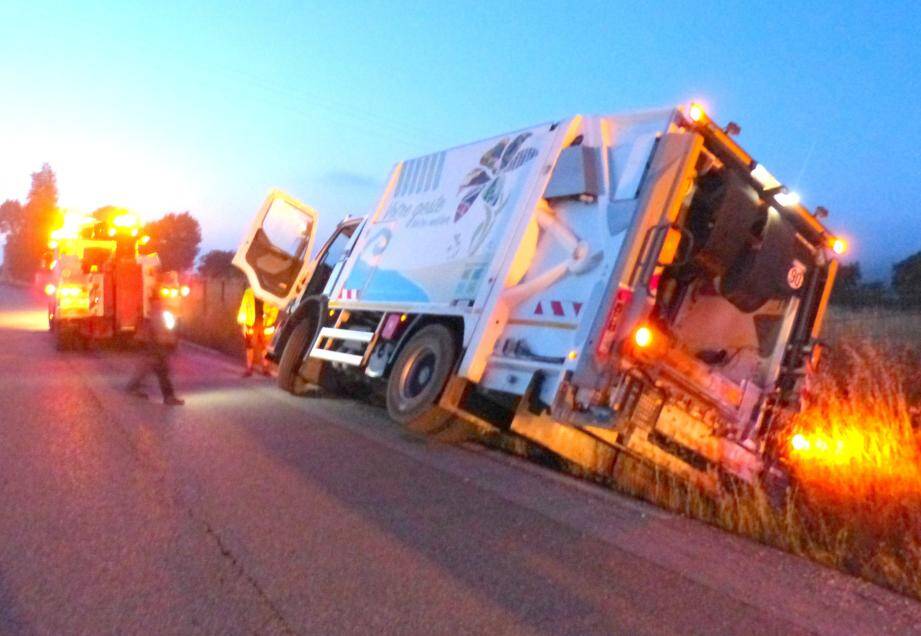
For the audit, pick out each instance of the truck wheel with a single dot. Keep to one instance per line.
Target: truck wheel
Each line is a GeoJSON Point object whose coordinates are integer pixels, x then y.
{"type": "Point", "coordinates": [289, 365]}
{"type": "Point", "coordinates": [419, 374]}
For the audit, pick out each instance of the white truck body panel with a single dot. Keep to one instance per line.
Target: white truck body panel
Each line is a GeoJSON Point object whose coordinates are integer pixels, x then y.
{"type": "Point", "coordinates": [451, 224]}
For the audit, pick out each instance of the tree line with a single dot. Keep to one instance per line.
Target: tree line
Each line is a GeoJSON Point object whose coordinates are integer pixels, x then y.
{"type": "Point", "coordinates": [903, 291]}
{"type": "Point", "coordinates": [175, 237]}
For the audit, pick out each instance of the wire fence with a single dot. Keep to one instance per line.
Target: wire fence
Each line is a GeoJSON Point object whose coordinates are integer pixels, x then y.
{"type": "Point", "coordinates": [210, 313]}
{"type": "Point", "coordinates": [881, 324]}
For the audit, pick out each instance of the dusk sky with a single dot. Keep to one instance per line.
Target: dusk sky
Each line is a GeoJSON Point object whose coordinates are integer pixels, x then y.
{"type": "Point", "coordinates": [205, 106]}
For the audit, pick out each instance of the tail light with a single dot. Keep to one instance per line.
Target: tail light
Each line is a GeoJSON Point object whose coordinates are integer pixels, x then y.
{"type": "Point", "coordinates": [643, 336]}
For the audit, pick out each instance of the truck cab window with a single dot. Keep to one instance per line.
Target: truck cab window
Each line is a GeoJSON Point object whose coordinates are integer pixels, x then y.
{"type": "Point", "coordinates": [286, 228]}
{"type": "Point", "coordinates": [331, 255]}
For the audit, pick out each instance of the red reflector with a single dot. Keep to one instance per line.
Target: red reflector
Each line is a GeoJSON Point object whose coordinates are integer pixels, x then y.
{"type": "Point", "coordinates": [606, 342]}
{"type": "Point", "coordinates": [391, 324]}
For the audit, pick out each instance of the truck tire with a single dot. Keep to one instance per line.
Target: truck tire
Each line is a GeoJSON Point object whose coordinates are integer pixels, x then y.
{"type": "Point", "coordinates": [419, 375]}
{"type": "Point", "coordinates": [289, 365]}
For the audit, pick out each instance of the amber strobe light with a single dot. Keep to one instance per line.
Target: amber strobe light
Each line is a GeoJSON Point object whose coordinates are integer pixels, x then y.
{"type": "Point", "coordinates": [643, 336]}
{"type": "Point", "coordinates": [696, 112]}
{"type": "Point", "coordinates": [838, 246]}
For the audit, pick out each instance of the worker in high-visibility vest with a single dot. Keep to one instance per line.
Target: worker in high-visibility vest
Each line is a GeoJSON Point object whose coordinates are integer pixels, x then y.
{"type": "Point", "coordinates": [257, 321]}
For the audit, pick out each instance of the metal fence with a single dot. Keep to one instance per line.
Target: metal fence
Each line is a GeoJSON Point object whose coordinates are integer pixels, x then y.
{"type": "Point", "coordinates": [874, 323]}
{"type": "Point", "coordinates": [210, 313]}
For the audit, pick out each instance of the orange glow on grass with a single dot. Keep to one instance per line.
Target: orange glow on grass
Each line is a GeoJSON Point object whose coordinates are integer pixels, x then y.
{"type": "Point", "coordinates": [856, 443]}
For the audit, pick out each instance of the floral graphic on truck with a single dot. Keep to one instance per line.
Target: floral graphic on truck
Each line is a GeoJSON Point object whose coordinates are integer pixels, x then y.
{"type": "Point", "coordinates": [486, 183]}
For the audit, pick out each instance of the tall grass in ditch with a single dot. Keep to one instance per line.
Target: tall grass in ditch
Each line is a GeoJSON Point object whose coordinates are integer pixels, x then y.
{"type": "Point", "coordinates": [854, 454]}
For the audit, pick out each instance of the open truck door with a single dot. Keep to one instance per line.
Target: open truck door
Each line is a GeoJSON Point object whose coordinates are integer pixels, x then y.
{"type": "Point", "coordinates": [275, 253]}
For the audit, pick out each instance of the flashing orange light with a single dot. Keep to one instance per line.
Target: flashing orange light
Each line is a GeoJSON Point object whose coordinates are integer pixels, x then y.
{"type": "Point", "coordinates": [838, 246]}
{"type": "Point", "coordinates": [144, 240]}
{"type": "Point", "coordinates": [71, 290]}
{"type": "Point", "coordinates": [111, 231]}
{"type": "Point", "coordinates": [402, 317]}
{"type": "Point", "coordinates": [573, 354]}
{"type": "Point", "coordinates": [643, 337]}
{"type": "Point", "coordinates": [52, 244]}
{"type": "Point", "coordinates": [125, 220]}
{"type": "Point", "coordinates": [696, 112]}
{"type": "Point", "coordinates": [799, 442]}
{"type": "Point", "coordinates": [332, 312]}
{"type": "Point", "coordinates": [185, 291]}
{"type": "Point", "coordinates": [164, 291]}
{"type": "Point", "coordinates": [134, 232]}
{"type": "Point", "coordinates": [50, 289]}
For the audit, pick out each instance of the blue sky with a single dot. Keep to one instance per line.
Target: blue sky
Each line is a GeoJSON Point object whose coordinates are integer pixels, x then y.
{"type": "Point", "coordinates": [205, 106]}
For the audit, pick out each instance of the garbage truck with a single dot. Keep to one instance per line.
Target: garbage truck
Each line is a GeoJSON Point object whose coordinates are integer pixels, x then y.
{"type": "Point", "coordinates": [637, 280]}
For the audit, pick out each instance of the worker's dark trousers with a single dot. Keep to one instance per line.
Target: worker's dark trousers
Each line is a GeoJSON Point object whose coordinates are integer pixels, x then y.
{"type": "Point", "coordinates": [155, 360]}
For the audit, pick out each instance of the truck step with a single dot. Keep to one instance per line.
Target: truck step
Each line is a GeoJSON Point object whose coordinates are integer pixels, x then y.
{"type": "Point", "coordinates": [346, 334]}
{"type": "Point", "coordinates": [337, 356]}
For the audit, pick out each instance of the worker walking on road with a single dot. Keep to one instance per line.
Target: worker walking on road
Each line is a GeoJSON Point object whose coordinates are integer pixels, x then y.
{"type": "Point", "coordinates": [257, 321]}
{"type": "Point", "coordinates": [159, 338]}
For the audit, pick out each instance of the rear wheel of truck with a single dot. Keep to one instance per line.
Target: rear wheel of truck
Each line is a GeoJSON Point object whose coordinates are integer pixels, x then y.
{"type": "Point", "coordinates": [419, 375]}
{"type": "Point", "coordinates": [289, 365]}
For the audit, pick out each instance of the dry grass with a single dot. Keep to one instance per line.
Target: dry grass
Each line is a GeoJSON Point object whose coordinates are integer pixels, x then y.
{"type": "Point", "coordinates": [855, 457]}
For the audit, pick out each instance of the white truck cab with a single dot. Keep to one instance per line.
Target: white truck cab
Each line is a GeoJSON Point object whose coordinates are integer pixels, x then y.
{"type": "Point", "coordinates": [636, 280]}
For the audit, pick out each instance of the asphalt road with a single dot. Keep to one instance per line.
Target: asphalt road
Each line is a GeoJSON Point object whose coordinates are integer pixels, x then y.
{"type": "Point", "coordinates": [251, 511]}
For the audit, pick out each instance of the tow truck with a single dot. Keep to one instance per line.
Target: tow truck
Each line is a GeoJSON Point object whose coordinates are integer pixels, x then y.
{"type": "Point", "coordinates": [98, 284]}
{"type": "Point", "coordinates": [606, 286]}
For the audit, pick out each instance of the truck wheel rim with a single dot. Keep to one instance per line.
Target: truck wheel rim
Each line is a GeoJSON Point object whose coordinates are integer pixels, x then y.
{"type": "Point", "coordinates": [418, 374]}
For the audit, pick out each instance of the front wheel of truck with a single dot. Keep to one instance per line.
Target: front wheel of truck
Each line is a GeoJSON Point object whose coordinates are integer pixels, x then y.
{"type": "Point", "coordinates": [419, 374]}
{"type": "Point", "coordinates": [292, 357]}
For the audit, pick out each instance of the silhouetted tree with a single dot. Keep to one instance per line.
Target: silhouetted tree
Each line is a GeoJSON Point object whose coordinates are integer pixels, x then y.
{"type": "Point", "coordinates": [175, 238]}
{"type": "Point", "coordinates": [11, 216]}
{"type": "Point", "coordinates": [851, 291]}
{"type": "Point", "coordinates": [28, 227]}
{"type": "Point", "coordinates": [847, 285]}
{"type": "Point", "coordinates": [906, 280]}
{"type": "Point", "coordinates": [218, 264]}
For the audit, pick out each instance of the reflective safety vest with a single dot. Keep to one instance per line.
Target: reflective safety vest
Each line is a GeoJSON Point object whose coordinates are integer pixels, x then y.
{"type": "Point", "coordinates": [246, 316]}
